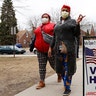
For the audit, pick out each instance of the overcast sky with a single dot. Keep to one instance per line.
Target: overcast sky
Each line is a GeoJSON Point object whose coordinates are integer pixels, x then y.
{"type": "Point", "coordinates": [26, 8]}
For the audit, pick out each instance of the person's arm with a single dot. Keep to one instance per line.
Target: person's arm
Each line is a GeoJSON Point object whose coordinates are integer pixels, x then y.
{"type": "Point", "coordinates": [77, 28]}
{"type": "Point", "coordinates": [31, 45]}
{"type": "Point", "coordinates": [53, 41]}
{"type": "Point", "coordinates": [51, 46]}
{"type": "Point", "coordinates": [79, 18]}
{"type": "Point", "coordinates": [50, 52]}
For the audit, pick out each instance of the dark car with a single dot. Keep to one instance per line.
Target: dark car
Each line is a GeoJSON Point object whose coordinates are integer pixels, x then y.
{"type": "Point", "coordinates": [19, 45]}
{"type": "Point", "coordinates": [9, 49]}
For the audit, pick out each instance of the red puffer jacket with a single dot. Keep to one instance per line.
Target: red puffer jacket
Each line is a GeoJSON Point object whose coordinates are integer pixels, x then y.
{"type": "Point", "coordinates": [40, 44]}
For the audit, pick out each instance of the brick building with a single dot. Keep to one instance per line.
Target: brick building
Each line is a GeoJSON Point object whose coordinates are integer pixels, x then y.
{"type": "Point", "coordinates": [24, 38]}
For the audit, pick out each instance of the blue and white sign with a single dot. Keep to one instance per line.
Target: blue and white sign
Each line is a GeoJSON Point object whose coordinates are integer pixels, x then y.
{"type": "Point", "coordinates": [89, 66]}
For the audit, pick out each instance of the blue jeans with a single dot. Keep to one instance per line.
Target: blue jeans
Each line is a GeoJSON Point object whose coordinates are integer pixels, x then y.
{"type": "Point", "coordinates": [66, 79]}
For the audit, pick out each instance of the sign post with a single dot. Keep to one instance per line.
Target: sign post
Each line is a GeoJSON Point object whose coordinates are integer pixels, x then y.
{"type": "Point", "coordinates": [89, 66]}
{"type": "Point", "coordinates": [13, 32]}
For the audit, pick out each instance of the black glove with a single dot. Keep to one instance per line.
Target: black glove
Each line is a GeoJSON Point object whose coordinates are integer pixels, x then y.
{"type": "Point", "coordinates": [31, 46]}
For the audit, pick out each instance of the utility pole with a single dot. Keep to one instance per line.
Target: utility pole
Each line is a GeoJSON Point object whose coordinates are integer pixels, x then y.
{"type": "Point", "coordinates": [13, 32]}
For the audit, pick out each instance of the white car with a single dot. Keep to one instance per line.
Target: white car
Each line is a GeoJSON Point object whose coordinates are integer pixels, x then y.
{"type": "Point", "coordinates": [35, 51]}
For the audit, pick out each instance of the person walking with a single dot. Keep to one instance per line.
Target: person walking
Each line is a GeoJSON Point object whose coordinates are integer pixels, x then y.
{"type": "Point", "coordinates": [63, 43]}
{"type": "Point", "coordinates": [42, 48]}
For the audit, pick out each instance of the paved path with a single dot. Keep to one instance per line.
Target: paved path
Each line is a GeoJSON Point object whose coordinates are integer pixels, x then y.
{"type": "Point", "coordinates": [56, 89]}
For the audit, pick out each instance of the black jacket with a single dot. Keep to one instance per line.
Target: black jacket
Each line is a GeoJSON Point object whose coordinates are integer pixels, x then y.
{"type": "Point", "coordinates": [67, 32]}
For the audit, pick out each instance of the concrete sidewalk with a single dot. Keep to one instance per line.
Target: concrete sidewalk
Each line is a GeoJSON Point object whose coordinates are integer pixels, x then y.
{"type": "Point", "coordinates": [53, 88]}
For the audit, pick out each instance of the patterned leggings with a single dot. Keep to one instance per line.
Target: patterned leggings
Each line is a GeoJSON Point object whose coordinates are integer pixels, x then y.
{"type": "Point", "coordinates": [42, 60]}
{"type": "Point", "coordinates": [66, 79]}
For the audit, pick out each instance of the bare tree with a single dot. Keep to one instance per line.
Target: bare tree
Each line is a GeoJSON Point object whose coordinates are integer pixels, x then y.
{"type": "Point", "coordinates": [33, 22]}
{"type": "Point", "coordinates": [55, 15]}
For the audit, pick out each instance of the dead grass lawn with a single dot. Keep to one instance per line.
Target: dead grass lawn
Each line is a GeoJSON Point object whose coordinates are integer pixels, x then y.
{"type": "Point", "coordinates": [19, 73]}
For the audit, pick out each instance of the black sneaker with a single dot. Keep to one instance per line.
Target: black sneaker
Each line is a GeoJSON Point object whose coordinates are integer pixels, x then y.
{"type": "Point", "coordinates": [66, 92]}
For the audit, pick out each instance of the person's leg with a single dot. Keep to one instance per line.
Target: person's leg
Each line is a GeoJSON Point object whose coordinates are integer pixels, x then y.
{"type": "Point", "coordinates": [58, 61]}
{"type": "Point", "coordinates": [52, 62]}
{"type": "Point", "coordinates": [53, 65]}
{"type": "Point", "coordinates": [66, 79]}
{"type": "Point", "coordinates": [67, 82]}
{"type": "Point", "coordinates": [42, 60]}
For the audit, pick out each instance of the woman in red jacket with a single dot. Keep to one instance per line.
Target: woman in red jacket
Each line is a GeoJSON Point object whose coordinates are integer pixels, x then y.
{"type": "Point", "coordinates": [42, 48]}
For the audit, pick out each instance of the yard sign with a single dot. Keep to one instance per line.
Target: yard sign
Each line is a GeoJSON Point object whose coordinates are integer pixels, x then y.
{"type": "Point", "coordinates": [89, 66]}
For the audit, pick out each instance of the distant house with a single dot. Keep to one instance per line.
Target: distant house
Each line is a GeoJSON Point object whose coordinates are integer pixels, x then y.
{"type": "Point", "coordinates": [23, 37]}
{"type": "Point", "coordinates": [92, 33]}
{"type": "Point", "coordinates": [84, 29]}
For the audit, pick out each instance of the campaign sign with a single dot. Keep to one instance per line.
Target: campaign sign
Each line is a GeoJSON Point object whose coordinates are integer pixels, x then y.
{"type": "Point", "coordinates": [89, 66]}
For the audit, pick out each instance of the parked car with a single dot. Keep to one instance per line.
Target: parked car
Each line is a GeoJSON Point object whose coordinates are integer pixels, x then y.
{"type": "Point", "coordinates": [19, 45]}
{"type": "Point", "coordinates": [10, 49]}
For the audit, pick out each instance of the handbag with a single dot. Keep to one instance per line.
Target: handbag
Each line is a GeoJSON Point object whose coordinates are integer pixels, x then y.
{"type": "Point", "coordinates": [47, 38]}
{"type": "Point", "coordinates": [31, 46]}
{"type": "Point", "coordinates": [62, 48]}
